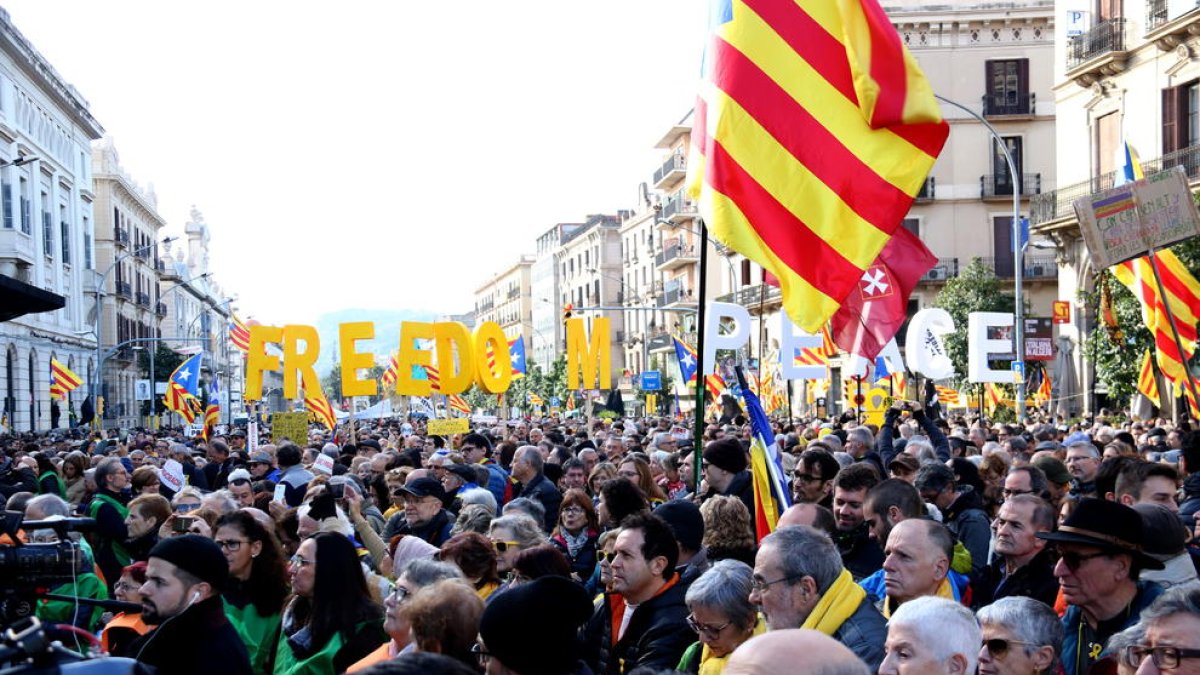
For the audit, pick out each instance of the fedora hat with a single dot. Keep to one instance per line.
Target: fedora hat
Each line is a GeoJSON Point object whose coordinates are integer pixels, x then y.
{"type": "Point", "coordinates": [1106, 525]}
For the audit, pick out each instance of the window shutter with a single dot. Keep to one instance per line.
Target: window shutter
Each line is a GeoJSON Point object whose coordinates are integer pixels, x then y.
{"type": "Point", "coordinates": [1170, 120]}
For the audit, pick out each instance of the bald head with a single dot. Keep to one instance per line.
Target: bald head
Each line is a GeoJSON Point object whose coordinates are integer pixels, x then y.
{"type": "Point", "coordinates": [813, 515]}
{"type": "Point", "coordinates": [794, 651]}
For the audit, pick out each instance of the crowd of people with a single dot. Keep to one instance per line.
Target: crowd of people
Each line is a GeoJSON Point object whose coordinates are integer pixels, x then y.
{"type": "Point", "coordinates": [552, 546]}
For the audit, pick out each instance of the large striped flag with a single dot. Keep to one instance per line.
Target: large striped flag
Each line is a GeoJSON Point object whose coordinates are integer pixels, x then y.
{"type": "Point", "coordinates": [239, 334]}
{"type": "Point", "coordinates": [813, 132]}
{"type": "Point", "coordinates": [715, 384]}
{"type": "Point", "coordinates": [212, 412]}
{"type": "Point", "coordinates": [320, 409]}
{"type": "Point", "coordinates": [1147, 384]}
{"type": "Point", "coordinates": [183, 389]}
{"type": "Point", "coordinates": [457, 402]}
{"type": "Point", "coordinates": [687, 359]}
{"type": "Point", "coordinates": [516, 357]}
{"type": "Point", "coordinates": [771, 493]}
{"type": "Point", "coordinates": [992, 398]}
{"type": "Point", "coordinates": [62, 380]}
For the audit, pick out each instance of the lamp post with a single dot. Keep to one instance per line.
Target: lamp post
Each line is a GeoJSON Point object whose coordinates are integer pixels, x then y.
{"type": "Point", "coordinates": [99, 374]}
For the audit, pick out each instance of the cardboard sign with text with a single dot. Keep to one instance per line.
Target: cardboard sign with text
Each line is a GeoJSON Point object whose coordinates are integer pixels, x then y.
{"type": "Point", "coordinates": [324, 464]}
{"type": "Point", "coordinates": [459, 425]}
{"type": "Point", "coordinates": [291, 426]}
{"type": "Point", "coordinates": [1127, 221]}
{"type": "Point", "coordinates": [172, 475]}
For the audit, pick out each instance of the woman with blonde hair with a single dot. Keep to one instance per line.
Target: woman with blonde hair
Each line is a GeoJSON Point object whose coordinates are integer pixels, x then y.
{"type": "Point", "coordinates": [604, 471]}
{"type": "Point", "coordinates": [728, 530]}
{"type": "Point", "coordinates": [637, 471]}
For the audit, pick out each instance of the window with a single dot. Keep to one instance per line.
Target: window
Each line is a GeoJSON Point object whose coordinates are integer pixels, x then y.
{"type": "Point", "coordinates": [66, 243]}
{"type": "Point", "coordinates": [1108, 140]}
{"type": "Point", "coordinates": [47, 234]}
{"type": "Point", "coordinates": [6, 191]}
{"type": "Point", "coordinates": [1003, 181]}
{"type": "Point", "coordinates": [746, 272]}
{"type": "Point", "coordinates": [26, 210]}
{"type": "Point", "coordinates": [87, 245]}
{"type": "Point", "coordinates": [1007, 87]}
{"type": "Point", "coordinates": [1180, 116]}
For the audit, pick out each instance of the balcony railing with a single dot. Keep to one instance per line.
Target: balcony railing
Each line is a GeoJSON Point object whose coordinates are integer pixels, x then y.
{"type": "Point", "coordinates": [121, 236]}
{"type": "Point", "coordinates": [675, 252]}
{"type": "Point", "coordinates": [1036, 267]}
{"type": "Point", "coordinates": [673, 168]}
{"type": "Point", "coordinates": [1057, 204]}
{"type": "Point", "coordinates": [1009, 103]}
{"type": "Point", "coordinates": [927, 190]}
{"type": "Point", "coordinates": [1000, 185]}
{"type": "Point", "coordinates": [160, 266]}
{"type": "Point", "coordinates": [678, 207]}
{"type": "Point", "coordinates": [143, 299]}
{"type": "Point", "coordinates": [751, 296]}
{"type": "Point", "coordinates": [124, 290]}
{"type": "Point", "coordinates": [160, 309]}
{"type": "Point", "coordinates": [1156, 14]}
{"type": "Point", "coordinates": [946, 268]}
{"type": "Point", "coordinates": [1106, 36]}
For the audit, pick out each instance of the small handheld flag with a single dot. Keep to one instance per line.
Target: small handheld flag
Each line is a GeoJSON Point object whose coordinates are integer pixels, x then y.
{"type": "Point", "coordinates": [62, 380]}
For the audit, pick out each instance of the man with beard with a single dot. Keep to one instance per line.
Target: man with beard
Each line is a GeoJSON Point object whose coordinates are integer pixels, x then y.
{"type": "Point", "coordinates": [182, 594]}
{"type": "Point", "coordinates": [860, 554]}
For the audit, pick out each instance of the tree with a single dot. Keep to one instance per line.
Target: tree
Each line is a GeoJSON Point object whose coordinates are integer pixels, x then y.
{"type": "Point", "coordinates": [976, 289]}
{"type": "Point", "coordinates": [1117, 352]}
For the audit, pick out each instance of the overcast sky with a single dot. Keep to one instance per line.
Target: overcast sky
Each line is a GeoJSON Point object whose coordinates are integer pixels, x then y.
{"type": "Point", "coordinates": [376, 154]}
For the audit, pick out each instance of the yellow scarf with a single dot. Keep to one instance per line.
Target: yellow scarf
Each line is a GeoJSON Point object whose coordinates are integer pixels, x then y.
{"type": "Point", "coordinates": [944, 590]}
{"type": "Point", "coordinates": [836, 605]}
{"type": "Point", "coordinates": [713, 665]}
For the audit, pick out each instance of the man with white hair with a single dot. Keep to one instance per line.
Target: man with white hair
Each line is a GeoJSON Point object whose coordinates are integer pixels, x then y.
{"type": "Point", "coordinates": [931, 636]}
{"type": "Point", "coordinates": [527, 469]}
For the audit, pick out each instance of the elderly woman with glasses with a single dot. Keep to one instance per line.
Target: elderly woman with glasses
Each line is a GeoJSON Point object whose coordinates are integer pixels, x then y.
{"type": "Point", "coordinates": [577, 533]}
{"type": "Point", "coordinates": [415, 575]}
{"type": "Point", "coordinates": [722, 616]}
{"type": "Point", "coordinates": [1021, 636]}
{"type": "Point", "coordinates": [1171, 642]}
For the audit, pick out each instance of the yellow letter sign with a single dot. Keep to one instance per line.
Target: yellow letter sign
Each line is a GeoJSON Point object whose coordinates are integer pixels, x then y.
{"type": "Point", "coordinates": [581, 353]}
{"type": "Point", "coordinates": [258, 360]}
{"type": "Point", "coordinates": [353, 361]}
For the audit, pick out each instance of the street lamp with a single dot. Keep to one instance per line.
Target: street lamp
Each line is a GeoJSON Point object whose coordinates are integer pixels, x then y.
{"type": "Point", "coordinates": [99, 375]}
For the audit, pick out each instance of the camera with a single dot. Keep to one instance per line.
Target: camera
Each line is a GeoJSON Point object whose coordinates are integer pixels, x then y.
{"type": "Point", "coordinates": [182, 524]}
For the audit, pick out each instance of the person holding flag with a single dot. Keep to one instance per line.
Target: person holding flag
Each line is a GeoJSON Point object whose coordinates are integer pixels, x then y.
{"type": "Point", "coordinates": [183, 388]}
{"type": "Point", "coordinates": [770, 489]}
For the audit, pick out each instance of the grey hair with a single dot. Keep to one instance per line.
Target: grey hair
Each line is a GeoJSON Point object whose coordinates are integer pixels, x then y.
{"type": "Point", "coordinates": [1029, 620]}
{"type": "Point", "coordinates": [1181, 599]}
{"type": "Point", "coordinates": [187, 491]}
{"type": "Point", "coordinates": [1134, 635]}
{"type": "Point", "coordinates": [531, 454]}
{"type": "Point", "coordinates": [481, 496]}
{"type": "Point", "coordinates": [107, 466]}
{"type": "Point", "coordinates": [524, 506]}
{"type": "Point", "coordinates": [221, 501]}
{"type": "Point", "coordinates": [862, 435]}
{"type": "Point", "coordinates": [423, 572]}
{"type": "Point", "coordinates": [725, 588]}
{"type": "Point", "coordinates": [806, 552]}
{"type": "Point", "coordinates": [1084, 445]}
{"type": "Point", "coordinates": [525, 529]}
{"type": "Point", "coordinates": [472, 518]}
{"type": "Point", "coordinates": [50, 505]}
{"type": "Point", "coordinates": [944, 626]}
{"type": "Point", "coordinates": [918, 448]}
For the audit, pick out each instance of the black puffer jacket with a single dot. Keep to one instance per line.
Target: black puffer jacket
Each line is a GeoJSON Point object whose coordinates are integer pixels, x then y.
{"type": "Point", "coordinates": [656, 636]}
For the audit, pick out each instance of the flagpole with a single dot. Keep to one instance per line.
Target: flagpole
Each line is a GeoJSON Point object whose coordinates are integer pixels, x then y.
{"type": "Point", "coordinates": [698, 432]}
{"type": "Point", "coordinates": [1162, 293]}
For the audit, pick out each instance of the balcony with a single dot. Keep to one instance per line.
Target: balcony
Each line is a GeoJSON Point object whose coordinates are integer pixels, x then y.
{"type": "Point", "coordinates": [143, 299]}
{"type": "Point", "coordinates": [121, 236]}
{"type": "Point", "coordinates": [675, 254]}
{"type": "Point", "coordinates": [670, 172]}
{"type": "Point", "coordinates": [160, 309]}
{"type": "Point", "coordinates": [160, 266]}
{"type": "Point", "coordinates": [751, 297]}
{"type": "Point", "coordinates": [1059, 204]}
{"type": "Point", "coordinates": [1009, 104]}
{"type": "Point", "coordinates": [1170, 22]}
{"type": "Point", "coordinates": [946, 268]}
{"type": "Point", "coordinates": [1098, 53]}
{"type": "Point", "coordinates": [999, 186]}
{"type": "Point", "coordinates": [1037, 267]}
{"type": "Point", "coordinates": [927, 190]}
{"type": "Point", "coordinates": [678, 208]}
{"type": "Point", "coordinates": [676, 295]}
{"type": "Point", "coordinates": [124, 290]}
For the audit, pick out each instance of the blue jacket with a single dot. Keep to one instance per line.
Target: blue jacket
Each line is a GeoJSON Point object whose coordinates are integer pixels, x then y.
{"type": "Point", "coordinates": [497, 481]}
{"type": "Point", "coordinates": [1075, 657]}
{"type": "Point", "coordinates": [876, 590]}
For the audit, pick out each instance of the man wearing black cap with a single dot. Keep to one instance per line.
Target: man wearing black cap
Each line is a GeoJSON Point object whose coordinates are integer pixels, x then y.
{"type": "Point", "coordinates": [1101, 557]}
{"type": "Point", "coordinates": [532, 629]}
{"type": "Point", "coordinates": [725, 471]}
{"type": "Point", "coordinates": [182, 595]}
{"type": "Point", "coordinates": [425, 515]}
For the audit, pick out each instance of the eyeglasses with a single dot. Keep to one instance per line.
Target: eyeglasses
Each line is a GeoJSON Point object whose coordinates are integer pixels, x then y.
{"type": "Point", "coordinates": [711, 631]}
{"type": "Point", "coordinates": [481, 654]}
{"type": "Point", "coordinates": [400, 593]}
{"type": "Point", "coordinates": [297, 560]}
{"type": "Point", "coordinates": [184, 508]}
{"type": "Point", "coordinates": [502, 545]}
{"type": "Point", "coordinates": [806, 477]}
{"type": "Point", "coordinates": [572, 509]}
{"type": "Point", "coordinates": [998, 647]}
{"type": "Point", "coordinates": [122, 586]}
{"type": "Point", "coordinates": [758, 584]}
{"type": "Point", "coordinates": [1162, 657]}
{"type": "Point", "coordinates": [1012, 493]}
{"type": "Point", "coordinates": [231, 545]}
{"type": "Point", "coordinates": [1074, 561]}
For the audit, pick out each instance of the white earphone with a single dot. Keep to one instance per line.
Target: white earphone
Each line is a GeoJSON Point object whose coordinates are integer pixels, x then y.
{"type": "Point", "coordinates": [195, 597]}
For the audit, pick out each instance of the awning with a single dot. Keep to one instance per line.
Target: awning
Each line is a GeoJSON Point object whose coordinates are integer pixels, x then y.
{"type": "Point", "coordinates": [18, 298]}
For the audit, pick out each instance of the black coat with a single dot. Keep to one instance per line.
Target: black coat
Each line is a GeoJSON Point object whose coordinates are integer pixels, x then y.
{"type": "Point", "coordinates": [1033, 580]}
{"type": "Point", "coordinates": [200, 641]}
{"type": "Point", "coordinates": [656, 636]}
{"type": "Point", "coordinates": [860, 554]}
{"type": "Point", "coordinates": [544, 492]}
{"type": "Point", "coordinates": [584, 562]}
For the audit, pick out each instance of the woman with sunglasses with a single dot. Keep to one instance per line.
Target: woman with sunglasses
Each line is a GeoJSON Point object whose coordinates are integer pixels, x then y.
{"type": "Point", "coordinates": [722, 615]}
{"type": "Point", "coordinates": [331, 621]}
{"type": "Point", "coordinates": [577, 533]}
{"type": "Point", "coordinates": [1021, 636]}
{"type": "Point", "coordinates": [257, 586]}
{"type": "Point", "coordinates": [510, 535]}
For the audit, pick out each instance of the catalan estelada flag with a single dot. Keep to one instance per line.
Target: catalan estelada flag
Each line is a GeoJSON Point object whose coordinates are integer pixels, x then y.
{"type": "Point", "coordinates": [212, 412]}
{"type": "Point", "coordinates": [771, 494]}
{"type": "Point", "coordinates": [516, 354]}
{"type": "Point", "coordinates": [814, 130]}
{"type": "Point", "coordinates": [319, 409]}
{"type": "Point", "coordinates": [62, 380]}
{"type": "Point", "coordinates": [239, 334]}
{"type": "Point", "coordinates": [1147, 384]}
{"type": "Point", "coordinates": [687, 359]}
{"type": "Point", "coordinates": [183, 389]}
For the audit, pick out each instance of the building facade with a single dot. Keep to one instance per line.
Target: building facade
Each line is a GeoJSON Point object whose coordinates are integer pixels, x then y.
{"type": "Point", "coordinates": [128, 228]}
{"type": "Point", "coordinates": [46, 231]}
{"type": "Point", "coordinates": [507, 300]}
{"type": "Point", "coordinates": [546, 312]}
{"type": "Point", "coordinates": [589, 272]}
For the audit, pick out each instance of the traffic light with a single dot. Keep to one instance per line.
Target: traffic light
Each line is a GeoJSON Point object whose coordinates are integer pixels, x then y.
{"type": "Point", "coordinates": [567, 309]}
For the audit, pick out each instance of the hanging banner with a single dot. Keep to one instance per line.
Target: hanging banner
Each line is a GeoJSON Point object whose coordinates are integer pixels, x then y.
{"type": "Point", "coordinates": [1127, 221]}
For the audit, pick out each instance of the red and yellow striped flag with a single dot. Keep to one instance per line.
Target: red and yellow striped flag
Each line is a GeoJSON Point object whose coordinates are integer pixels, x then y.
{"type": "Point", "coordinates": [392, 373]}
{"type": "Point", "coordinates": [1183, 297]}
{"type": "Point", "coordinates": [715, 384]}
{"type": "Point", "coordinates": [239, 334]}
{"type": "Point", "coordinates": [435, 378]}
{"type": "Point", "coordinates": [318, 405]}
{"type": "Point", "coordinates": [947, 395]}
{"type": "Point", "coordinates": [992, 396]}
{"type": "Point", "coordinates": [456, 402]}
{"type": "Point", "coordinates": [62, 380]}
{"type": "Point", "coordinates": [814, 130]}
{"type": "Point", "coordinates": [1147, 384]}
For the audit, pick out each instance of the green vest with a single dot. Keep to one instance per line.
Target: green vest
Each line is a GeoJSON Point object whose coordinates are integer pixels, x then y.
{"type": "Point", "coordinates": [117, 547]}
{"type": "Point", "coordinates": [317, 663]}
{"type": "Point", "coordinates": [61, 611]}
{"type": "Point", "coordinates": [257, 632]}
{"type": "Point", "coordinates": [62, 487]}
